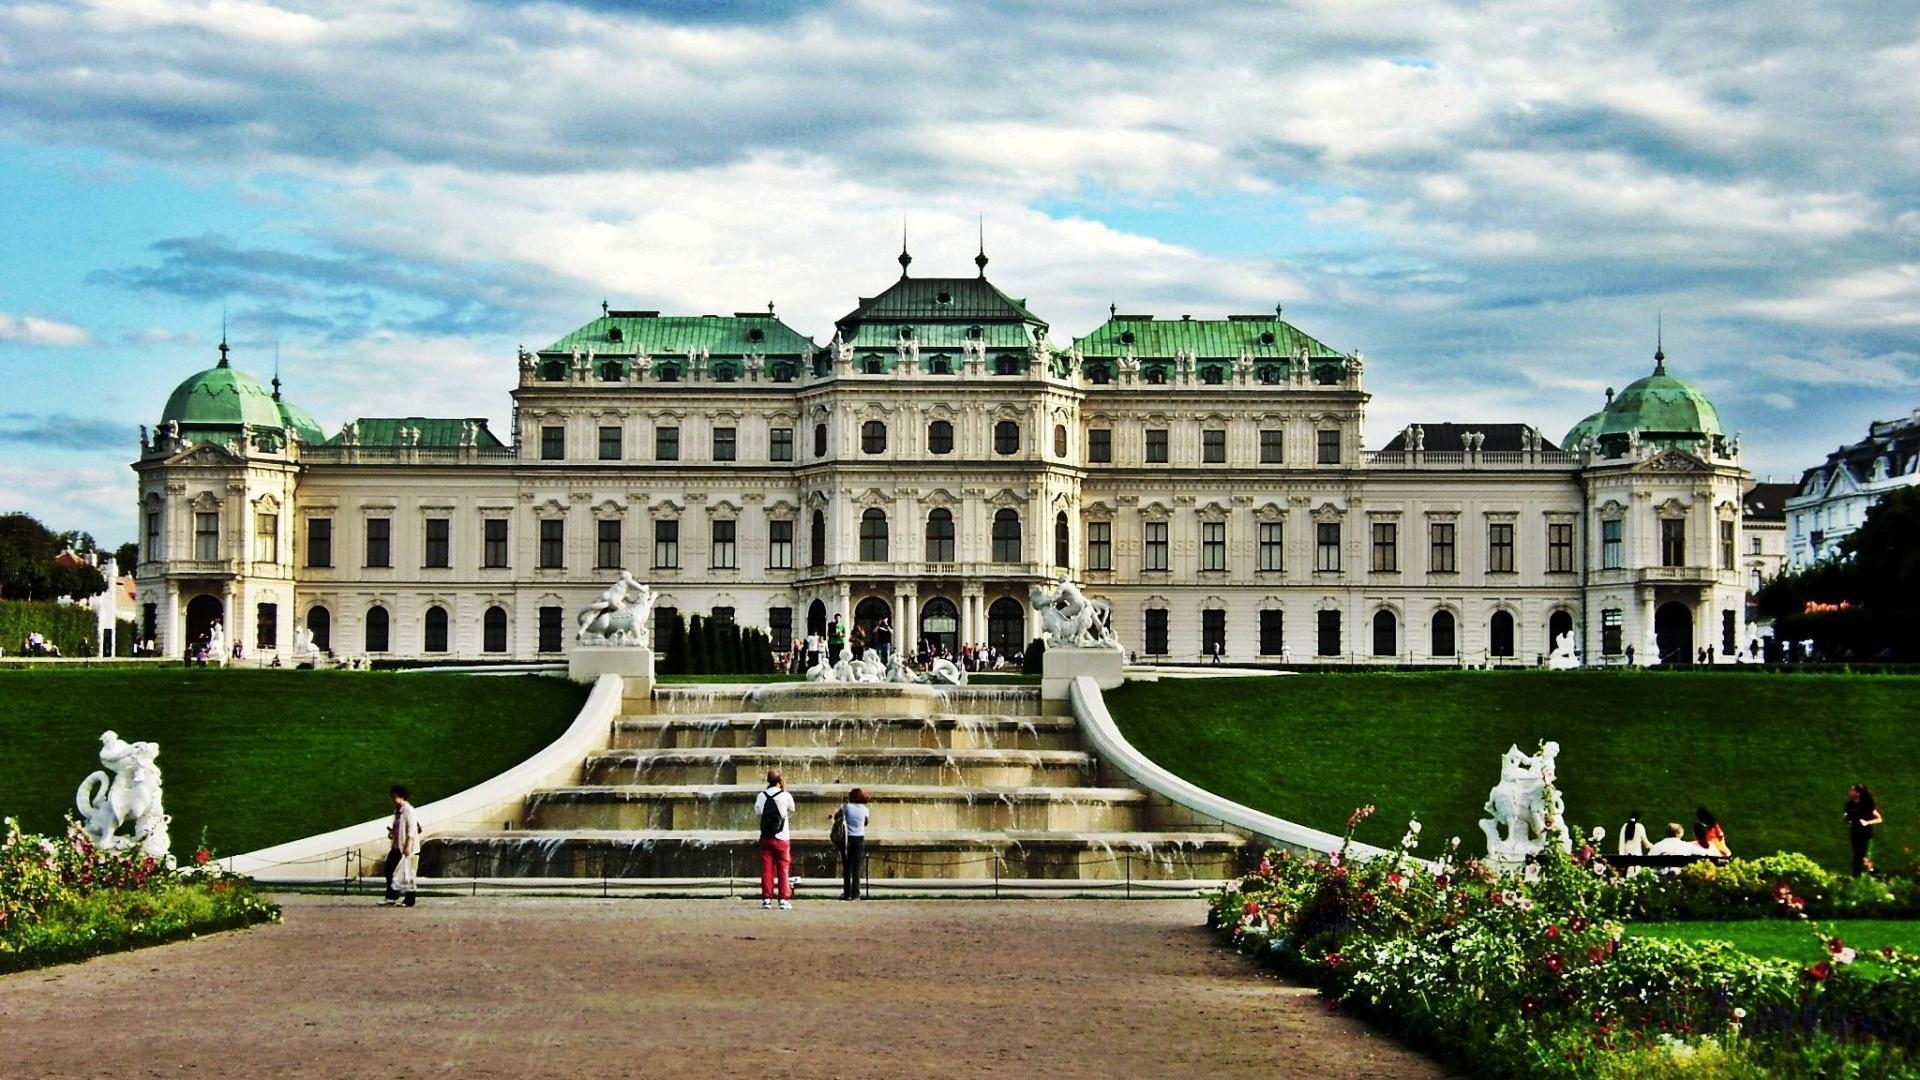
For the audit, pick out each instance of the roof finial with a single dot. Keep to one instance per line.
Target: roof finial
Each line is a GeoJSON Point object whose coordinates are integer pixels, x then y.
{"type": "Point", "coordinates": [980, 260]}
{"type": "Point", "coordinates": [1659, 345]}
{"type": "Point", "coordinates": [1276, 312]}
{"type": "Point", "coordinates": [605, 309]}
{"type": "Point", "coordinates": [223, 333]}
{"type": "Point", "coordinates": [1113, 310]}
{"type": "Point", "coordinates": [276, 367]}
{"type": "Point", "coordinates": [769, 307]}
{"type": "Point", "coordinates": [905, 259]}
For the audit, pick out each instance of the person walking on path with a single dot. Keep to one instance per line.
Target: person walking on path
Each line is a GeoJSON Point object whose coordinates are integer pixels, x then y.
{"type": "Point", "coordinates": [775, 809]}
{"type": "Point", "coordinates": [1862, 815]}
{"type": "Point", "coordinates": [403, 837]}
{"type": "Point", "coordinates": [851, 822]}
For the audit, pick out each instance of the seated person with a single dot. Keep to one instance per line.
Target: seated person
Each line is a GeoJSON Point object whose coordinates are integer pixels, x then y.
{"type": "Point", "coordinates": [1676, 843]}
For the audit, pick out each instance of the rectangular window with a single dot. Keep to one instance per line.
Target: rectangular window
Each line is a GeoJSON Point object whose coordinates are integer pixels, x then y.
{"type": "Point", "coordinates": [379, 542]}
{"type": "Point", "coordinates": [1612, 545]}
{"type": "Point", "coordinates": [780, 444]}
{"type": "Point", "coordinates": [1272, 632]}
{"type": "Point", "coordinates": [1272, 443]}
{"type": "Point", "coordinates": [1673, 542]}
{"type": "Point", "coordinates": [1100, 446]}
{"type": "Point", "coordinates": [152, 548]}
{"type": "Point", "coordinates": [1328, 442]}
{"type": "Point", "coordinates": [438, 553]}
{"type": "Point", "coordinates": [666, 545]}
{"type": "Point", "coordinates": [780, 545]}
{"type": "Point", "coordinates": [780, 628]}
{"type": "Point", "coordinates": [1499, 547]}
{"type": "Point", "coordinates": [1156, 643]}
{"type": "Point", "coordinates": [666, 444]}
{"type": "Point", "coordinates": [495, 549]}
{"type": "Point", "coordinates": [1753, 543]}
{"type": "Point", "coordinates": [1157, 446]}
{"type": "Point", "coordinates": [606, 545]}
{"type": "Point", "coordinates": [553, 443]}
{"type": "Point", "coordinates": [1728, 628]}
{"type": "Point", "coordinates": [1213, 545]}
{"type": "Point", "coordinates": [320, 542]}
{"type": "Point", "coordinates": [1441, 554]}
{"type": "Point", "coordinates": [1156, 546]}
{"type": "Point", "coordinates": [1611, 623]}
{"type": "Point", "coordinates": [1326, 546]}
{"type": "Point", "coordinates": [1559, 548]}
{"type": "Point", "coordinates": [1272, 554]}
{"type": "Point", "coordinates": [266, 538]}
{"type": "Point", "coordinates": [1213, 631]}
{"type": "Point", "coordinates": [1726, 545]}
{"type": "Point", "coordinates": [1213, 447]}
{"type": "Point", "coordinates": [1099, 545]}
{"type": "Point", "coordinates": [609, 444]}
{"type": "Point", "coordinates": [1329, 643]}
{"type": "Point", "coordinates": [723, 444]}
{"type": "Point", "coordinates": [550, 628]}
{"type": "Point", "coordinates": [553, 544]}
{"type": "Point", "coordinates": [206, 537]}
{"type": "Point", "coordinates": [724, 549]}
{"type": "Point", "coordinates": [266, 627]}
{"type": "Point", "coordinates": [1386, 547]}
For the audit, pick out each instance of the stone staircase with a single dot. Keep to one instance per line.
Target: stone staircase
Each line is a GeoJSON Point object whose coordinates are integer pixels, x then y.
{"type": "Point", "coordinates": [967, 784]}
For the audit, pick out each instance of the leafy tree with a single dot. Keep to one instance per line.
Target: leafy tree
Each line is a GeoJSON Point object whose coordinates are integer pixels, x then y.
{"type": "Point", "coordinates": [127, 556]}
{"type": "Point", "coordinates": [1864, 603]}
{"type": "Point", "coordinates": [697, 654]}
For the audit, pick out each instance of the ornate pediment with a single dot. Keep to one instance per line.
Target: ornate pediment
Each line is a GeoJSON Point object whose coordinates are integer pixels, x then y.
{"type": "Point", "coordinates": [1008, 497]}
{"type": "Point", "coordinates": [1270, 511]}
{"type": "Point", "coordinates": [206, 502]}
{"type": "Point", "coordinates": [1672, 461]}
{"type": "Point", "coordinates": [1212, 511]}
{"type": "Point", "coordinates": [266, 504]}
{"type": "Point", "coordinates": [608, 508]}
{"type": "Point", "coordinates": [816, 499]}
{"type": "Point", "coordinates": [873, 497]}
{"type": "Point", "coordinates": [1099, 511]}
{"type": "Point", "coordinates": [552, 508]}
{"type": "Point", "coordinates": [724, 508]}
{"type": "Point", "coordinates": [781, 508]}
{"type": "Point", "coordinates": [1328, 512]}
{"type": "Point", "coordinates": [1672, 508]}
{"type": "Point", "coordinates": [1155, 511]}
{"type": "Point", "coordinates": [206, 454]}
{"type": "Point", "coordinates": [667, 508]}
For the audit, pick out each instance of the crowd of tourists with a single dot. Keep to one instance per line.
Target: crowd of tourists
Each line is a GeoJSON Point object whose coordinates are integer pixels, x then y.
{"type": "Point", "coordinates": [839, 641]}
{"type": "Point", "coordinates": [1707, 839]}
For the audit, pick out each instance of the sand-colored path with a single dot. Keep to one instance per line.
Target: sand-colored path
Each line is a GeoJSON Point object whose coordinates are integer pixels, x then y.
{"type": "Point", "coordinates": [510, 987]}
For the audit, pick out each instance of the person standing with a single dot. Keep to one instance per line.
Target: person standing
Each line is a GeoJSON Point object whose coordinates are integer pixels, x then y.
{"type": "Point", "coordinates": [836, 640]}
{"type": "Point", "coordinates": [852, 821]}
{"type": "Point", "coordinates": [775, 809]}
{"type": "Point", "coordinates": [403, 839]}
{"type": "Point", "coordinates": [1862, 815]}
{"type": "Point", "coordinates": [883, 640]}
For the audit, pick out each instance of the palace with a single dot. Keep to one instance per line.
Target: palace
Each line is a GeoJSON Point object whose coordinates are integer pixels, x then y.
{"type": "Point", "coordinates": [938, 457]}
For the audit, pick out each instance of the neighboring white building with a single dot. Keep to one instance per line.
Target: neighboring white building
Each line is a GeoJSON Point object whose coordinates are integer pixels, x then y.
{"type": "Point", "coordinates": [1834, 497]}
{"type": "Point", "coordinates": [941, 455]}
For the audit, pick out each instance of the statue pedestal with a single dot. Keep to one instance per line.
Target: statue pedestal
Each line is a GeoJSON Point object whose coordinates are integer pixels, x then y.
{"type": "Point", "coordinates": [1061, 665]}
{"type": "Point", "coordinates": [586, 663]}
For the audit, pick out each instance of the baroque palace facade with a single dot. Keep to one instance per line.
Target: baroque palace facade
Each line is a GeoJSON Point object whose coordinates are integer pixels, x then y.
{"type": "Point", "coordinates": [940, 456]}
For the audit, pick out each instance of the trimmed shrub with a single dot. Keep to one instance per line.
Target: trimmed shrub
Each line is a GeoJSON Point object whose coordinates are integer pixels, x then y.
{"type": "Point", "coordinates": [69, 626]}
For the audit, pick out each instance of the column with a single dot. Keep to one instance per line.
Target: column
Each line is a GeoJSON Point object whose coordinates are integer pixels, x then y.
{"type": "Point", "coordinates": [230, 615]}
{"type": "Point", "coordinates": [845, 610]}
{"type": "Point", "coordinates": [171, 642]}
{"type": "Point", "coordinates": [967, 598]}
{"type": "Point", "coordinates": [906, 620]}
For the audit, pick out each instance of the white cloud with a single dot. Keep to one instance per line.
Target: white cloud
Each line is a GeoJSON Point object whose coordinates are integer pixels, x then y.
{"type": "Point", "coordinates": [34, 330]}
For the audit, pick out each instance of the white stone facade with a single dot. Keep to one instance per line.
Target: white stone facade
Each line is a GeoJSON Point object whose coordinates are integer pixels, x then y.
{"type": "Point", "coordinates": [1834, 497]}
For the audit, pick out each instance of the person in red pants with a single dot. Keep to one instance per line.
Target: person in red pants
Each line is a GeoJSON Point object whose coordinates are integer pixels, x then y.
{"type": "Point", "coordinates": [775, 808]}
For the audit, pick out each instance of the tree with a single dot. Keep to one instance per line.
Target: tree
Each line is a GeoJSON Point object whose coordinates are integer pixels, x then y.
{"type": "Point", "coordinates": [1864, 603]}
{"type": "Point", "coordinates": [27, 551]}
{"type": "Point", "coordinates": [126, 557]}
{"type": "Point", "coordinates": [697, 653]}
{"type": "Point", "coordinates": [674, 645]}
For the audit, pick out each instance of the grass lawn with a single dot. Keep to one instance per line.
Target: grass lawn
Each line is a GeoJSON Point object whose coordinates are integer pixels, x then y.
{"type": "Point", "coordinates": [1772, 755]}
{"type": "Point", "coordinates": [1789, 939]}
{"type": "Point", "coordinates": [261, 757]}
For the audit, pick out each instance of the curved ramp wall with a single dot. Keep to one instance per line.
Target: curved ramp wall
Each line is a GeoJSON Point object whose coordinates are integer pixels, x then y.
{"type": "Point", "coordinates": [324, 857]}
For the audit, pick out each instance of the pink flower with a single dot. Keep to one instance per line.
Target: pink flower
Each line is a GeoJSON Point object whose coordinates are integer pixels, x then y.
{"type": "Point", "coordinates": [1333, 959]}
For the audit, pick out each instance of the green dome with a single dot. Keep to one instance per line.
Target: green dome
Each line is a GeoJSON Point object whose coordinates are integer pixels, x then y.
{"type": "Point", "coordinates": [300, 423]}
{"type": "Point", "coordinates": [1579, 432]}
{"type": "Point", "coordinates": [1661, 408]}
{"type": "Point", "coordinates": [221, 397]}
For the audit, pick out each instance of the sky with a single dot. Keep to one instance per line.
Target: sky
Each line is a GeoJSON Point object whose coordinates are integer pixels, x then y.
{"type": "Point", "coordinates": [1495, 202]}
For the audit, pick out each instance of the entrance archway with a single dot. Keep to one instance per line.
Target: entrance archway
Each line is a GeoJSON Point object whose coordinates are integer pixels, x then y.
{"type": "Point", "coordinates": [320, 625]}
{"type": "Point", "coordinates": [1673, 630]}
{"type": "Point", "coordinates": [1560, 622]}
{"type": "Point", "coordinates": [202, 612]}
{"type": "Point", "coordinates": [1007, 625]}
{"type": "Point", "coordinates": [817, 618]}
{"type": "Point", "coordinates": [940, 625]}
{"type": "Point", "coordinates": [867, 615]}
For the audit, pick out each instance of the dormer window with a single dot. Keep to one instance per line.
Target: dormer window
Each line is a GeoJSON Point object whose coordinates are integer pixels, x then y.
{"type": "Point", "coordinates": [1098, 374]}
{"type": "Point", "coordinates": [723, 373]}
{"type": "Point", "coordinates": [1157, 376]}
{"type": "Point", "coordinates": [614, 333]}
{"type": "Point", "coordinates": [554, 371]}
{"type": "Point", "coordinates": [754, 334]}
{"type": "Point", "coordinates": [1266, 338]}
{"type": "Point", "coordinates": [942, 366]}
{"type": "Point", "coordinates": [1212, 376]}
{"type": "Point", "coordinates": [906, 333]}
{"type": "Point", "coordinates": [975, 333]}
{"type": "Point", "coordinates": [783, 373]}
{"type": "Point", "coordinates": [872, 366]}
{"type": "Point", "coordinates": [669, 373]}
{"type": "Point", "coordinates": [944, 298]}
{"type": "Point", "coordinates": [1270, 375]}
{"type": "Point", "coordinates": [1126, 337]}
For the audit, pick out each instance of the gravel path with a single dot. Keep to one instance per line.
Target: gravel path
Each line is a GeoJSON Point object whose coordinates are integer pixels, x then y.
{"type": "Point", "coordinates": [522, 987]}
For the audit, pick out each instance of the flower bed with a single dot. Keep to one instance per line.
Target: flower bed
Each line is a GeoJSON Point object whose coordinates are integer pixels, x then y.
{"type": "Point", "coordinates": [1533, 975]}
{"type": "Point", "coordinates": [63, 899]}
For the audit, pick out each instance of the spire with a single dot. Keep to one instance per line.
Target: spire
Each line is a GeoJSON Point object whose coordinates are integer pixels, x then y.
{"type": "Point", "coordinates": [276, 369]}
{"type": "Point", "coordinates": [223, 335]}
{"type": "Point", "coordinates": [980, 260]}
{"type": "Point", "coordinates": [769, 307]}
{"type": "Point", "coordinates": [905, 259]}
{"type": "Point", "coordinates": [605, 309]}
{"type": "Point", "coordinates": [1659, 346]}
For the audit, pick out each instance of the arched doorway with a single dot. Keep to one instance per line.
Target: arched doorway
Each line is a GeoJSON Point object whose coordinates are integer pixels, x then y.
{"type": "Point", "coordinates": [1500, 634]}
{"type": "Point", "coordinates": [1560, 622]}
{"type": "Point", "coordinates": [1673, 630]}
{"type": "Point", "coordinates": [867, 614]}
{"type": "Point", "coordinates": [493, 630]}
{"type": "Point", "coordinates": [320, 625]}
{"type": "Point", "coordinates": [202, 612]}
{"type": "Point", "coordinates": [817, 618]}
{"type": "Point", "coordinates": [1443, 643]}
{"type": "Point", "coordinates": [1386, 633]}
{"type": "Point", "coordinates": [940, 625]}
{"type": "Point", "coordinates": [1007, 625]}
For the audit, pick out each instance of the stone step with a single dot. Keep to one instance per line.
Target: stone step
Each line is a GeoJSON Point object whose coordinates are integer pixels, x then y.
{"type": "Point", "coordinates": [981, 732]}
{"type": "Point", "coordinates": [732, 853]}
{"type": "Point", "coordinates": [866, 699]}
{"type": "Point", "coordinates": [899, 808]}
{"type": "Point", "coordinates": [844, 766]}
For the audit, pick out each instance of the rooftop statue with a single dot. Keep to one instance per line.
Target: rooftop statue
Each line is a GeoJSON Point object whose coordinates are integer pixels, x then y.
{"type": "Point", "coordinates": [1069, 620]}
{"type": "Point", "coordinates": [622, 615]}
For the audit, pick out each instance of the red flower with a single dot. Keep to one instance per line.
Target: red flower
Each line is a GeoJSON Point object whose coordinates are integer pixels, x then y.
{"type": "Point", "coordinates": [1554, 962]}
{"type": "Point", "coordinates": [1252, 908]}
{"type": "Point", "coordinates": [202, 857]}
{"type": "Point", "coordinates": [1333, 959]}
{"type": "Point", "coordinates": [1577, 923]}
{"type": "Point", "coordinates": [1368, 903]}
{"type": "Point", "coordinates": [1495, 898]}
{"type": "Point", "coordinates": [1596, 955]}
{"type": "Point", "coordinates": [1553, 932]}
{"type": "Point", "coordinates": [1818, 972]}
{"type": "Point", "coordinates": [1440, 881]}
{"type": "Point", "coordinates": [1529, 1005]}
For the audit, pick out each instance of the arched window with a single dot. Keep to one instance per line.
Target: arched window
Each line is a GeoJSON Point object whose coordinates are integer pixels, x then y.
{"type": "Point", "coordinates": [1443, 643]}
{"type": "Point", "coordinates": [873, 535]}
{"type": "Point", "coordinates": [873, 437]}
{"type": "Point", "coordinates": [724, 372]}
{"type": "Point", "coordinates": [1213, 375]}
{"type": "Point", "coordinates": [940, 437]}
{"type": "Point", "coordinates": [1500, 634]}
{"type": "Point", "coordinates": [817, 618]}
{"type": "Point", "coordinates": [1270, 374]}
{"type": "Point", "coordinates": [669, 373]}
{"type": "Point", "coordinates": [1099, 374]}
{"type": "Point", "coordinates": [1007, 625]}
{"type": "Point", "coordinates": [376, 629]}
{"type": "Point", "coordinates": [610, 371]}
{"type": "Point", "coordinates": [493, 630]}
{"type": "Point", "coordinates": [819, 440]}
{"type": "Point", "coordinates": [782, 372]}
{"type": "Point", "coordinates": [1006, 535]}
{"type": "Point", "coordinates": [1059, 440]}
{"type": "Point", "coordinates": [320, 625]}
{"type": "Point", "coordinates": [940, 535]}
{"type": "Point", "coordinates": [435, 637]}
{"type": "Point", "coordinates": [1386, 633]}
{"type": "Point", "coordinates": [817, 540]}
{"type": "Point", "coordinates": [1560, 622]}
{"type": "Point", "coordinates": [1062, 540]}
{"type": "Point", "coordinates": [1006, 437]}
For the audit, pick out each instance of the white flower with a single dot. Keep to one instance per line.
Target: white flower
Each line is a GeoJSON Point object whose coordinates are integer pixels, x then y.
{"type": "Point", "coordinates": [1845, 956]}
{"type": "Point", "coordinates": [1414, 826]}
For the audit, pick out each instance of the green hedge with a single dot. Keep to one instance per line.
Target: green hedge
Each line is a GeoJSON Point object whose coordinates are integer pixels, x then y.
{"type": "Point", "coordinates": [69, 626]}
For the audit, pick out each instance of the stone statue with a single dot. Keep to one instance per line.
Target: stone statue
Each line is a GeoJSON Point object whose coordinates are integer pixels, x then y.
{"type": "Point", "coordinates": [868, 668]}
{"type": "Point", "coordinates": [1069, 620]}
{"type": "Point", "coordinates": [1419, 437]}
{"type": "Point", "coordinates": [1565, 657]}
{"type": "Point", "coordinates": [944, 672]}
{"type": "Point", "coordinates": [899, 672]}
{"type": "Point", "coordinates": [126, 790]}
{"type": "Point", "coordinates": [843, 671]}
{"type": "Point", "coordinates": [217, 644]}
{"type": "Point", "coordinates": [622, 615]}
{"type": "Point", "coordinates": [1525, 805]}
{"type": "Point", "coordinates": [1652, 646]}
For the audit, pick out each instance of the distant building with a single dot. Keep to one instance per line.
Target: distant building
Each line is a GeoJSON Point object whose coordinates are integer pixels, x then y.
{"type": "Point", "coordinates": [1763, 515]}
{"type": "Point", "coordinates": [1834, 497]}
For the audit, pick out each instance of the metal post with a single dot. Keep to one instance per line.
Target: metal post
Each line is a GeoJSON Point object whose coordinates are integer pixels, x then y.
{"type": "Point", "coordinates": [996, 875]}
{"type": "Point", "coordinates": [346, 872]}
{"type": "Point", "coordinates": [1129, 875]}
{"type": "Point", "coordinates": [603, 875]}
{"type": "Point", "coordinates": [730, 869]}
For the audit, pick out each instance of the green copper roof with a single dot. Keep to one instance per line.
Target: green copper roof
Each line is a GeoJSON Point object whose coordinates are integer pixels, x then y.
{"type": "Point", "coordinates": [301, 423]}
{"type": "Point", "coordinates": [1579, 432]}
{"type": "Point", "coordinates": [618, 333]}
{"type": "Point", "coordinates": [1261, 336]}
{"type": "Point", "coordinates": [918, 300]}
{"type": "Point", "coordinates": [434, 432]}
{"type": "Point", "coordinates": [221, 397]}
{"type": "Point", "coordinates": [1661, 407]}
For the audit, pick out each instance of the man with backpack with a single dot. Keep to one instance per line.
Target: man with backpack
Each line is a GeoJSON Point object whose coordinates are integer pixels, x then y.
{"type": "Point", "coordinates": [775, 809]}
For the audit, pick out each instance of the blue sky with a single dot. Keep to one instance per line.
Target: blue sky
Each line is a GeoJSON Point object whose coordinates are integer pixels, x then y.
{"type": "Point", "coordinates": [1493, 201]}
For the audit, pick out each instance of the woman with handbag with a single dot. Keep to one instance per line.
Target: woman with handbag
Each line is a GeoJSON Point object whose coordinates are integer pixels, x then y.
{"type": "Point", "coordinates": [850, 835]}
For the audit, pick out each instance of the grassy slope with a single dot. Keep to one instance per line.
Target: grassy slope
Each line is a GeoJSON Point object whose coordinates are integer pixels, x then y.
{"type": "Point", "coordinates": [1772, 755]}
{"type": "Point", "coordinates": [1790, 940]}
{"type": "Point", "coordinates": [261, 757]}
